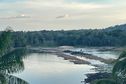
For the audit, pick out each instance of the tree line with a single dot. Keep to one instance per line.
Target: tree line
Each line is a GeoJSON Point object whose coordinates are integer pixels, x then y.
{"type": "Point", "coordinates": [112, 36]}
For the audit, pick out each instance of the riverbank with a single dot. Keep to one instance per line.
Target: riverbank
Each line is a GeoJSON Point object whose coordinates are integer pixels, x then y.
{"type": "Point", "coordinates": [59, 53]}
{"type": "Point", "coordinates": [75, 57]}
{"type": "Point", "coordinates": [97, 76]}
{"type": "Point", "coordinates": [89, 56]}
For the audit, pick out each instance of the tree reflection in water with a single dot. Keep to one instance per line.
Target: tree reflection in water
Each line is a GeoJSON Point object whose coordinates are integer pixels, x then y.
{"type": "Point", "coordinates": [12, 63]}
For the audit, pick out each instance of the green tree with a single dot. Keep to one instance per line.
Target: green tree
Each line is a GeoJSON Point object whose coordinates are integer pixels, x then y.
{"type": "Point", "coordinates": [5, 41]}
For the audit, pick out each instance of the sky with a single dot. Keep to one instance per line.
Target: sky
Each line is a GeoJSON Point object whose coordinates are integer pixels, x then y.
{"type": "Point", "coordinates": [34, 15]}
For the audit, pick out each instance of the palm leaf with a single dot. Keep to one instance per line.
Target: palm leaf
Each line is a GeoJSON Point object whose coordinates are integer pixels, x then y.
{"type": "Point", "coordinates": [119, 68]}
{"type": "Point", "coordinates": [122, 55]}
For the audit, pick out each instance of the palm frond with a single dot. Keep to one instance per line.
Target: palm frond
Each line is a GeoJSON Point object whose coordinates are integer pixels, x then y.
{"type": "Point", "coordinates": [119, 68]}
{"type": "Point", "coordinates": [122, 55]}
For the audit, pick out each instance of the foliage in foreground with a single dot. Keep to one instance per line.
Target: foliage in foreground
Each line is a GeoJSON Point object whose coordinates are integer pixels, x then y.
{"type": "Point", "coordinates": [5, 42]}
{"type": "Point", "coordinates": [10, 60]}
{"type": "Point", "coordinates": [118, 72]}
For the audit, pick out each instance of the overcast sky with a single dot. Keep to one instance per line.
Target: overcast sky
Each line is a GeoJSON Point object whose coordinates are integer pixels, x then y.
{"type": "Point", "coordinates": [61, 14]}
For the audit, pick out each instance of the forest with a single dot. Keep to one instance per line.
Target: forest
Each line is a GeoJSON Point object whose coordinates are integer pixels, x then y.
{"type": "Point", "coordinates": [111, 36]}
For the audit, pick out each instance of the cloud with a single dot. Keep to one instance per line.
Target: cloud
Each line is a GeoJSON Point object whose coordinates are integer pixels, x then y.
{"type": "Point", "coordinates": [73, 14]}
{"type": "Point", "coordinates": [63, 16]}
{"type": "Point", "coordinates": [85, 6]}
{"type": "Point", "coordinates": [64, 4]}
{"type": "Point", "coordinates": [16, 17]}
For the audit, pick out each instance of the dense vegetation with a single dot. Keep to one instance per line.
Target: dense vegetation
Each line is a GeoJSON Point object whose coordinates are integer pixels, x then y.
{"type": "Point", "coordinates": [10, 59]}
{"type": "Point", "coordinates": [112, 36]}
{"type": "Point", "coordinates": [5, 42]}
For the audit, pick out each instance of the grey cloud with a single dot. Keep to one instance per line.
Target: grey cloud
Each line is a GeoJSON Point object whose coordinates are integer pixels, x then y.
{"type": "Point", "coordinates": [63, 16]}
{"type": "Point", "coordinates": [16, 17]}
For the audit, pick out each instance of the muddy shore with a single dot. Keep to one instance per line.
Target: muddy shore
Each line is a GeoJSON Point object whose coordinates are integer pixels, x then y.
{"type": "Point", "coordinates": [73, 57]}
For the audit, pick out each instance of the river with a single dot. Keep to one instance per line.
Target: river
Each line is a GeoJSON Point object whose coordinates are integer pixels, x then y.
{"type": "Point", "coordinates": [45, 68]}
{"type": "Point", "coordinates": [50, 69]}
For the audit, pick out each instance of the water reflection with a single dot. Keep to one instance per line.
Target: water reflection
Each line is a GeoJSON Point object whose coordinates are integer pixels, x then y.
{"type": "Point", "coordinates": [12, 63]}
{"type": "Point", "coordinates": [49, 69]}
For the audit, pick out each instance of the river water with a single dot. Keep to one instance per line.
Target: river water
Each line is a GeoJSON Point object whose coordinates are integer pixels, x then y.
{"type": "Point", "coordinates": [50, 69]}
{"type": "Point", "coordinates": [36, 68]}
